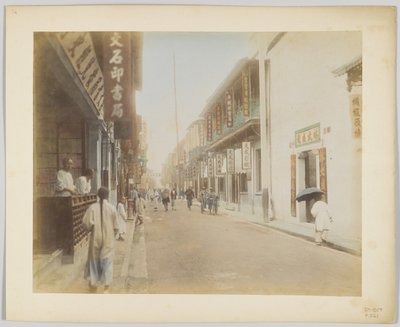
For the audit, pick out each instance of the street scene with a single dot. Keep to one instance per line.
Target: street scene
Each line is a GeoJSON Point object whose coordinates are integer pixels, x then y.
{"type": "Point", "coordinates": [197, 163]}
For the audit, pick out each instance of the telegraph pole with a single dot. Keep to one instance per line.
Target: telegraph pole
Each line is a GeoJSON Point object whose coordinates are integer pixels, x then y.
{"type": "Point", "coordinates": [176, 126]}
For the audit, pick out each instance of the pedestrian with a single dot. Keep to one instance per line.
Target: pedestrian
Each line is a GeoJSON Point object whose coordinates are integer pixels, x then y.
{"type": "Point", "coordinates": [121, 220]}
{"type": "Point", "coordinates": [141, 206]}
{"type": "Point", "coordinates": [134, 196]}
{"type": "Point", "coordinates": [323, 219]}
{"type": "Point", "coordinates": [83, 183]}
{"type": "Point", "coordinates": [189, 197]}
{"type": "Point", "coordinates": [101, 220]}
{"type": "Point", "coordinates": [203, 199]}
{"type": "Point", "coordinates": [212, 201]}
{"type": "Point", "coordinates": [65, 184]}
{"type": "Point", "coordinates": [165, 198]}
{"type": "Point", "coordinates": [173, 198]}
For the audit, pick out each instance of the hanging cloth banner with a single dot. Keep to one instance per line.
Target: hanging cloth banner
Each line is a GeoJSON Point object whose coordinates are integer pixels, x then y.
{"type": "Point", "coordinates": [230, 161]}
{"type": "Point", "coordinates": [218, 119]}
{"type": "Point", "coordinates": [210, 167]}
{"type": "Point", "coordinates": [245, 93]}
{"type": "Point", "coordinates": [229, 109]}
{"type": "Point", "coordinates": [117, 76]}
{"type": "Point", "coordinates": [246, 155]}
{"type": "Point", "coordinates": [220, 162]}
{"type": "Point", "coordinates": [209, 127]}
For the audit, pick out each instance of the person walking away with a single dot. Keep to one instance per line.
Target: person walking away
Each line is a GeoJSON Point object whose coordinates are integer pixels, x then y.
{"type": "Point", "coordinates": [83, 183]}
{"type": "Point", "coordinates": [323, 219]}
{"type": "Point", "coordinates": [101, 220]}
{"type": "Point", "coordinates": [210, 200]}
{"type": "Point", "coordinates": [189, 197]}
{"type": "Point", "coordinates": [134, 196]}
{"type": "Point", "coordinates": [202, 199]}
{"type": "Point", "coordinates": [65, 184]}
{"type": "Point", "coordinates": [165, 198]}
{"type": "Point", "coordinates": [141, 206]}
{"type": "Point", "coordinates": [121, 220]}
{"type": "Point", "coordinates": [173, 198]}
{"type": "Point", "coordinates": [215, 204]}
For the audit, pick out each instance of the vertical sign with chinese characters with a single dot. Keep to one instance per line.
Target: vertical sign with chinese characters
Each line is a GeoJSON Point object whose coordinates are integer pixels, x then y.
{"type": "Point", "coordinates": [245, 93]}
{"type": "Point", "coordinates": [293, 185]}
{"type": "Point", "coordinates": [201, 133]}
{"type": "Point", "coordinates": [220, 162]}
{"type": "Point", "coordinates": [322, 173]}
{"type": "Point", "coordinates": [246, 155]}
{"type": "Point", "coordinates": [229, 109]}
{"type": "Point", "coordinates": [218, 119]}
{"type": "Point", "coordinates": [230, 161]}
{"type": "Point", "coordinates": [356, 112]}
{"type": "Point", "coordinates": [80, 51]}
{"type": "Point", "coordinates": [210, 167]}
{"type": "Point", "coordinates": [117, 76]}
{"type": "Point", "coordinates": [209, 126]}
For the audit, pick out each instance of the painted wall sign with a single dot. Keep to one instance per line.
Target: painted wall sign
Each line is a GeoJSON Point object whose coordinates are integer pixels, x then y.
{"type": "Point", "coordinates": [246, 148]}
{"type": "Point", "coordinates": [308, 135]}
{"type": "Point", "coordinates": [80, 51]}
{"type": "Point", "coordinates": [117, 75]}
{"type": "Point", "coordinates": [356, 113]}
{"type": "Point", "coordinates": [230, 161]}
{"type": "Point", "coordinates": [245, 93]}
{"type": "Point", "coordinates": [293, 185]}
{"type": "Point", "coordinates": [229, 109]}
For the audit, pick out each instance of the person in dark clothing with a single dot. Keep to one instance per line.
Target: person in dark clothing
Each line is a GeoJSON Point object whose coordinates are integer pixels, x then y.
{"type": "Point", "coordinates": [189, 197]}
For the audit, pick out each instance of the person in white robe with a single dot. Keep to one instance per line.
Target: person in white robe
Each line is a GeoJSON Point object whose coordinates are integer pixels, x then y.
{"type": "Point", "coordinates": [141, 206]}
{"type": "Point", "coordinates": [323, 219]}
{"type": "Point", "coordinates": [100, 220]}
{"type": "Point", "coordinates": [83, 183]}
{"type": "Point", "coordinates": [121, 220]}
{"type": "Point", "coordinates": [65, 184]}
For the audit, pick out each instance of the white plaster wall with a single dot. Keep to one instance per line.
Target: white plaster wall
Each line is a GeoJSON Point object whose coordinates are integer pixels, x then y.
{"type": "Point", "coordinates": [303, 91]}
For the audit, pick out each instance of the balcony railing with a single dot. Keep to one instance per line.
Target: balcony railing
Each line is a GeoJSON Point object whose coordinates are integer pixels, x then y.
{"type": "Point", "coordinates": [238, 120]}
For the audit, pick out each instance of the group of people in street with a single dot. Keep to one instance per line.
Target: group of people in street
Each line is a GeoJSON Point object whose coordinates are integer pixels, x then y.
{"type": "Point", "coordinates": [107, 223]}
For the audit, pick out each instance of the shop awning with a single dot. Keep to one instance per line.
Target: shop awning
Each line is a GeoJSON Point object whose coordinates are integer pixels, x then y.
{"type": "Point", "coordinates": [250, 129]}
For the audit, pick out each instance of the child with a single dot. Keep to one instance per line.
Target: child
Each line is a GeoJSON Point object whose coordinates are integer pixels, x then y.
{"type": "Point", "coordinates": [322, 219]}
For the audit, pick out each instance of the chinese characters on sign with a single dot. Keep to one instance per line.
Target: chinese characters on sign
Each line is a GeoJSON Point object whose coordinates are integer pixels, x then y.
{"type": "Point", "coordinates": [246, 155]}
{"type": "Point", "coordinates": [230, 161]}
{"type": "Point", "coordinates": [220, 162]}
{"type": "Point", "coordinates": [210, 167]}
{"type": "Point", "coordinates": [117, 73]}
{"type": "Point", "coordinates": [218, 119]}
{"type": "Point", "coordinates": [356, 111]}
{"type": "Point", "coordinates": [245, 94]}
{"type": "Point", "coordinates": [201, 133]}
{"type": "Point", "coordinates": [209, 126]}
{"type": "Point", "coordinates": [80, 51]}
{"type": "Point", "coordinates": [229, 109]}
{"type": "Point", "coordinates": [307, 135]}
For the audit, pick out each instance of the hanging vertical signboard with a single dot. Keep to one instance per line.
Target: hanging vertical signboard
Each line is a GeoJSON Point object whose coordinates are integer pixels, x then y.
{"type": "Point", "coordinates": [218, 119]}
{"type": "Point", "coordinates": [245, 93]}
{"type": "Point", "coordinates": [246, 155]}
{"type": "Point", "coordinates": [322, 173]}
{"type": "Point", "coordinates": [201, 133]}
{"type": "Point", "coordinates": [80, 52]}
{"type": "Point", "coordinates": [355, 112]}
{"type": "Point", "coordinates": [229, 109]}
{"type": "Point", "coordinates": [210, 167]}
{"type": "Point", "coordinates": [220, 161]}
{"type": "Point", "coordinates": [209, 127]}
{"type": "Point", "coordinates": [230, 161]}
{"type": "Point", "coordinates": [293, 185]}
{"type": "Point", "coordinates": [117, 75]}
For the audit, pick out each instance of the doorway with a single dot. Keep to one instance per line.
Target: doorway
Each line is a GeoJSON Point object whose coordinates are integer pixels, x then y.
{"type": "Point", "coordinates": [308, 177]}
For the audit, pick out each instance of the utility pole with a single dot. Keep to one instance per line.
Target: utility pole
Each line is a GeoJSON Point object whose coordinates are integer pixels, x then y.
{"type": "Point", "coordinates": [176, 126]}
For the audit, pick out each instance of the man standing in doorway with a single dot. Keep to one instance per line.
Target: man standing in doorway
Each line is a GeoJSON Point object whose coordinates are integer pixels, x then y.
{"type": "Point", "coordinates": [65, 184]}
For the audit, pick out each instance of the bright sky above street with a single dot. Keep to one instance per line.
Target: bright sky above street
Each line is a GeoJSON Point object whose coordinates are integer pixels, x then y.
{"type": "Point", "coordinates": [203, 61]}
